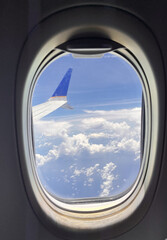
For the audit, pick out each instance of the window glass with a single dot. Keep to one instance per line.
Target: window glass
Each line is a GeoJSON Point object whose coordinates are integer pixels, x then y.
{"type": "Point", "coordinates": [89, 147]}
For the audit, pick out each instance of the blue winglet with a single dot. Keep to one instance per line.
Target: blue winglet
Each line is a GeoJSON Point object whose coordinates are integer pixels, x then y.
{"type": "Point", "coordinates": [62, 89]}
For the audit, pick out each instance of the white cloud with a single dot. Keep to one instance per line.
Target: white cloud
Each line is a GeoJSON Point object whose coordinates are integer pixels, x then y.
{"type": "Point", "coordinates": [52, 128]}
{"type": "Point", "coordinates": [133, 114]}
{"type": "Point", "coordinates": [108, 178]}
{"type": "Point", "coordinates": [103, 132]}
{"type": "Point", "coordinates": [76, 145]}
{"type": "Point", "coordinates": [41, 160]}
{"type": "Point", "coordinates": [90, 180]}
{"type": "Point", "coordinates": [77, 172]}
{"type": "Point", "coordinates": [86, 171]}
{"type": "Point", "coordinates": [106, 174]}
{"type": "Point", "coordinates": [129, 145]}
{"type": "Point", "coordinates": [90, 171]}
{"type": "Point", "coordinates": [105, 127]}
{"type": "Point", "coordinates": [99, 135]}
{"type": "Point", "coordinates": [46, 144]}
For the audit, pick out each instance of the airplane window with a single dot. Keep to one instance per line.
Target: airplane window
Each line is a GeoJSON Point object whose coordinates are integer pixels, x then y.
{"type": "Point", "coordinates": [87, 126]}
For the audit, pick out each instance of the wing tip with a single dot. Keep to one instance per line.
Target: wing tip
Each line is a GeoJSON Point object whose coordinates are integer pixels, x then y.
{"type": "Point", "coordinates": [62, 88]}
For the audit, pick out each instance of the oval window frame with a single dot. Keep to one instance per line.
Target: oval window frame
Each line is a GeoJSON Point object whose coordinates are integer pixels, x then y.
{"type": "Point", "coordinates": [138, 51]}
{"type": "Point", "coordinates": [78, 205]}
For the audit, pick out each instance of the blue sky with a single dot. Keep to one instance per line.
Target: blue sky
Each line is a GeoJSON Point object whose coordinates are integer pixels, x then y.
{"type": "Point", "coordinates": [94, 149]}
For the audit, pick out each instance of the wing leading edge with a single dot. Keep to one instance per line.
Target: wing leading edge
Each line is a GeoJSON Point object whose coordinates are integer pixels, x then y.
{"type": "Point", "coordinates": [57, 100]}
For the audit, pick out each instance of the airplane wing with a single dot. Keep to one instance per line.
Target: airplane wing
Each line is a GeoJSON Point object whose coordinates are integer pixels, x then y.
{"type": "Point", "coordinates": [58, 99]}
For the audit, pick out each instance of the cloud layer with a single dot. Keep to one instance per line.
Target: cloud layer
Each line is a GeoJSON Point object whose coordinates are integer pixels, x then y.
{"type": "Point", "coordinates": [94, 136]}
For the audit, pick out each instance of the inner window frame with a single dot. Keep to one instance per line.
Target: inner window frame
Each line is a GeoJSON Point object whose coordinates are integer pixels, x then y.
{"type": "Point", "coordinates": [98, 204]}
